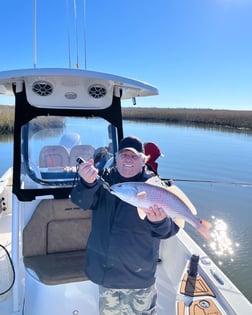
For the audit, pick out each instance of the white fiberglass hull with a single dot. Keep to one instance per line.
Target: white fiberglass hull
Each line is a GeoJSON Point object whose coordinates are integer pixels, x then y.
{"type": "Point", "coordinates": [30, 296]}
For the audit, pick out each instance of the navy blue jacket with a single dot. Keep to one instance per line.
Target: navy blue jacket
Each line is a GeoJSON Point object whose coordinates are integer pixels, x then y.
{"type": "Point", "coordinates": [122, 249]}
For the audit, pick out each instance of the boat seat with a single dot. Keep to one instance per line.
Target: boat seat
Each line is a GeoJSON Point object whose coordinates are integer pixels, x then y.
{"type": "Point", "coordinates": [53, 156]}
{"type": "Point", "coordinates": [54, 241]}
{"type": "Point", "coordinates": [85, 151]}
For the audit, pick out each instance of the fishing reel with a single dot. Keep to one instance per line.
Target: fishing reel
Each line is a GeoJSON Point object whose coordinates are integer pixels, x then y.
{"type": "Point", "coordinates": [80, 160]}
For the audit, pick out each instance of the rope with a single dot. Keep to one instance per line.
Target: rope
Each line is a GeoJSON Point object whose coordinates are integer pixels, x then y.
{"type": "Point", "coordinates": [13, 271]}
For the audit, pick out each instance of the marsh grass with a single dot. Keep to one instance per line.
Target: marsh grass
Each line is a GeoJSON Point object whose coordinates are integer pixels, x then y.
{"type": "Point", "coordinates": [207, 117]}
{"type": "Point", "coordinates": [6, 119]}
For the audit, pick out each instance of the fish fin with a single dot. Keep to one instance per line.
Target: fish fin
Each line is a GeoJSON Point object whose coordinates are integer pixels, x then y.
{"type": "Point", "coordinates": [141, 213]}
{"type": "Point", "coordinates": [180, 222]}
{"type": "Point", "coordinates": [141, 195]}
{"type": "Point", "coordinates": [204, 228]}
{"type": "Point", "coordinates": [155, 181]}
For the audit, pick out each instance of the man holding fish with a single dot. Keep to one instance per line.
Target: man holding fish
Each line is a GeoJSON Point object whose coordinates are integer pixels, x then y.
{"type": "Point", "coordinates": [123, 246]}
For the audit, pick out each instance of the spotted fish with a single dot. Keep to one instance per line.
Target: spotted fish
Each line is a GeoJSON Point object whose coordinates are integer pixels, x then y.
{"type": "Point", "coordinates": [144, 195]}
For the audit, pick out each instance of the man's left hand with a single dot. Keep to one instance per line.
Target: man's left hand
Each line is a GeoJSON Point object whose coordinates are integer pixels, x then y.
{"type": "Point", "coordinates": [155, 214]}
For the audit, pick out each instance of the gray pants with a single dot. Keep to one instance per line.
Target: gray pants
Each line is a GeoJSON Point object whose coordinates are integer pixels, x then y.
{"type": "Point", "coordinates": [128, 301]}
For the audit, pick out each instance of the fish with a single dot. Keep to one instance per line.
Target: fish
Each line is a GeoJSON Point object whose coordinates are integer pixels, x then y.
{"type": "Point", "coordinates": [173, 201]}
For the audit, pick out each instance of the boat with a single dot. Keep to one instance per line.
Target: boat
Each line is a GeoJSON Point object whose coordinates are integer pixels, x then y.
{"type": "Point", "coordinates": [60, 116]}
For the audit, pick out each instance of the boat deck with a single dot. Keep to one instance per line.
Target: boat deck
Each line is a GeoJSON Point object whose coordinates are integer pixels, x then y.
{"type": "Point", "coordinates": [177, 292]}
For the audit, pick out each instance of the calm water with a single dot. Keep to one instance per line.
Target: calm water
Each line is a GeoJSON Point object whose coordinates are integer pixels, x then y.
{"type": "Point", "coordinates": [204, 154]}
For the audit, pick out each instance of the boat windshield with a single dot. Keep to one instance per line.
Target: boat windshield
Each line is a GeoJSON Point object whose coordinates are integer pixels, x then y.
{"type": "Point", "coordinates": [52, 145]}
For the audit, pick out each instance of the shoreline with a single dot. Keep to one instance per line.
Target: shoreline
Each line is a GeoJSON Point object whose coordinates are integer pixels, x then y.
{"type": "Point", "coordinates": [236, 119]}
{"type": "Point", "coordinates": [217, 118]}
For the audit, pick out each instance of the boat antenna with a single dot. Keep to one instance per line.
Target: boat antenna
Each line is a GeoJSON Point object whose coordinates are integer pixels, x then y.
{"type": "Point", "coordinates": [76, 35]}
{"type": "Point", "coordinates": [35, 35]}
{"type": "Point", "coordinates": [68, 35]}
{"type": "Point", "coordinates": [84, 32]}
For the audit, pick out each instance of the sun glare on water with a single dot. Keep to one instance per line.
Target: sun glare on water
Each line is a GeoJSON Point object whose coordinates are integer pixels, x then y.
{"type": "Point", "coordinates": [220, 243]}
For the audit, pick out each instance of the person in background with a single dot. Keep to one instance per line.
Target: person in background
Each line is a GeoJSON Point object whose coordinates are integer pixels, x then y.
{"type": "Point", "coordinates": [101, 157]}
{"type": "Point", "coordinates": [122, 249]}
{"type": "Point", "coordinates": [153, 151]}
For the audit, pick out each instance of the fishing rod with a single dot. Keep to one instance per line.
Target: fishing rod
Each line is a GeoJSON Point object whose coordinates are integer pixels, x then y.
{"type": "Point", "coordinates": [170, 180]}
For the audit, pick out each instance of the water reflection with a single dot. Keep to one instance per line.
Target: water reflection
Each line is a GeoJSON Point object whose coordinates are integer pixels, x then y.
{"type": "Point", "coordinates": [240, 130]}
{"type": "Point", "coordinates": [201, 126]}
{"type": "Point", "coordinates": [221, 243]}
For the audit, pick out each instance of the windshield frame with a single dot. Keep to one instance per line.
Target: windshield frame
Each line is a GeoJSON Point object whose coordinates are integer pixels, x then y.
{"type": "Point", "coordinates": [24, 114]}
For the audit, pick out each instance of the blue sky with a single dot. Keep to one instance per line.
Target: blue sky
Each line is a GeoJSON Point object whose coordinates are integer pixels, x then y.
{"type": "Point", "coordinates": [198, 53]}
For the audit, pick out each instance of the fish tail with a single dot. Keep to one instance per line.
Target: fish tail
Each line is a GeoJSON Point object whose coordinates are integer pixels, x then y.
{"type": "Point", "coordinates": [204, 228]}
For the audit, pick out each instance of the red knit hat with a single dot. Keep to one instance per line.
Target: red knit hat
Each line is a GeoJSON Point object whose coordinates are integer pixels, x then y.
{"type": "Point", "coordinates": [153, 151]}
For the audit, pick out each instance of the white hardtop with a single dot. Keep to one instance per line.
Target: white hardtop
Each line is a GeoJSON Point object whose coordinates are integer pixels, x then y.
{"type": "Point", "coordinates": [72, 88]}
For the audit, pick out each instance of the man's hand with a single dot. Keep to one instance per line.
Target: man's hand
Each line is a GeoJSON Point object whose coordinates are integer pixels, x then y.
{"type": "Point", "coordinates": [155, 214]}
{"type": "Point", "coordinates": [87, 171]}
